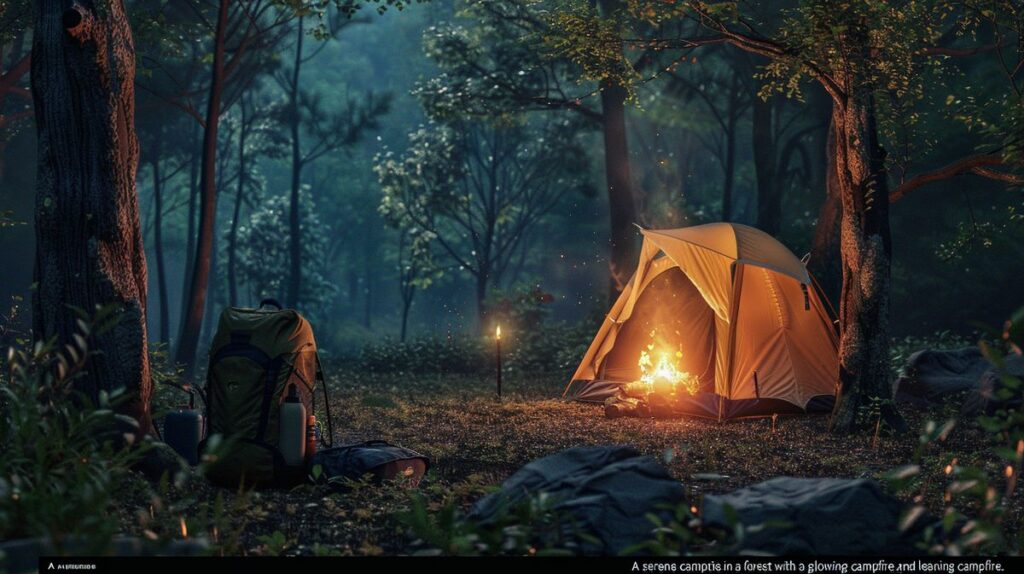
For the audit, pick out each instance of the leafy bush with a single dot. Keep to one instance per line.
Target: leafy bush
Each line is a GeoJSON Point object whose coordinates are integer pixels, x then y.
{"type": "Point", "coordinates": [531, 527]}
{"type": "Point", "coordinates": [64, 457]}
{"type": "Point", "coordinates": [975, 504]}
{"type": "Point", "coordinates": [531, 343]}
{"type": "Point", "coordinates": [425, 355]}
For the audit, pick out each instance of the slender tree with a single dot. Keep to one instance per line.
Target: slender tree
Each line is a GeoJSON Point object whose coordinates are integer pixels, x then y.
{"type": "Point", "coordinates": [477, 191]}
{"type": "Point", "coordinates": [324, 132]}
{"type": "Point", "coordinates": [520, 77]}
{"type": "Point", "coordinates": [243, 32]}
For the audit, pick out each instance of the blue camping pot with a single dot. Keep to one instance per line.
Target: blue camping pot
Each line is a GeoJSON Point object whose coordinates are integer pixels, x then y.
{"type": "Point", "coordinates": [183, 429]}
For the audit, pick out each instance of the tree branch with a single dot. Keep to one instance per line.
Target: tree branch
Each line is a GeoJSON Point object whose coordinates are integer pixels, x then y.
{"type": "Point", "coordinates": [973, 165]}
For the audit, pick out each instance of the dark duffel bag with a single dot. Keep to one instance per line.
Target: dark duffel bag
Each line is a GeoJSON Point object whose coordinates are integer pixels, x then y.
{"type": "Point", "coordinates": [378, 459]}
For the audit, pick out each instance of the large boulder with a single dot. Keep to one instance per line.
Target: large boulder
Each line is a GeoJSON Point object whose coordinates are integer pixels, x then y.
{"type": "Point", "coordinates": [812, 516]}
{"type": "Point", "coordinates": [608, 491]}
{"type": "Point", "coordinates": [932, 376]}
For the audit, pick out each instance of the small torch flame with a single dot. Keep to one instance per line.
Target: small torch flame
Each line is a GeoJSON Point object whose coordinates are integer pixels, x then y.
{"type": "Point", "coordinates": [184, 527]}
{"type": "Point", "coordinates": [497, 333]}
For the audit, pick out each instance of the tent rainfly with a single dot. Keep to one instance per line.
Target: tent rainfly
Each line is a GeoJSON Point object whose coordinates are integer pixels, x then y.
{"type": "Point", "coordinates": [730, 305]}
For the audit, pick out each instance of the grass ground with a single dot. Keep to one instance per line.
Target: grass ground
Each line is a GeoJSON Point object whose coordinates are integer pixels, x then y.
{"type": "Point", "coordinates": [477, 440]}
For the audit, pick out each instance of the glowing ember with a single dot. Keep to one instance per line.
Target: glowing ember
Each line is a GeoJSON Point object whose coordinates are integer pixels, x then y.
{"type": "Point", "coordinates": [665, 378]}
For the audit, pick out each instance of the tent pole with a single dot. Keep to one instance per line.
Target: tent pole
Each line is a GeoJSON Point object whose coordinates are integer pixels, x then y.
{"type": "Point", "coordinates": [734, 311]}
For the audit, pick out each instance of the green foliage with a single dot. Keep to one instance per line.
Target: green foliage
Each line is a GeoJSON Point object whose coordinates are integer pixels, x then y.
{"type": "Point", "coordinates": [532, 343]}
{"type": "Point", "coordinates": [494, 63]}
{"type": "Point", "coordinates": [7, 221]}
{"type": "Point", "coordinates": [263, 245]}
{"type": "Point", "coordinates": [535, 343]}
{"type": "Point", "coordinates": [425, 355]}
{"type": "Point", "coordinates": [532, 527]}
{"type": "Point", "coordinates": [473, 192]}
{"type": "Point", "coordinates": [973, 520]}
{"type": "Point", "coordinates": [273, 544]}
{"type": "Point", "coordinates": [64, 456]}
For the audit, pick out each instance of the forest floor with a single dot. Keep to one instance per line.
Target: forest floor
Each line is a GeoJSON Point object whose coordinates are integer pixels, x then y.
{"type": "Point", "coordinates": [476, 440]}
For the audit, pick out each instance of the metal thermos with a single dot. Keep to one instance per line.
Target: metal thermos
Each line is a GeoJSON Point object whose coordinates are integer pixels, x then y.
{"type": "Point", "coordinates": [292, 434]}
{"type": "Point", "coordinates": [183, 429]}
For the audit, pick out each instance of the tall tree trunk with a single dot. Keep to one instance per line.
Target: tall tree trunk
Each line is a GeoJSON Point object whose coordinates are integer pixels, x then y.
{"type": "Point", "coordinates": [89, 249]}
{"type": "Point", "coordinates": [190, 228]}
{"type": "Point", "coordinates": [865, 244]}
{"type": "Point", "coordinates": [294, 219]}
{"type": "Point", "coordinates": [769, 199]}
{"type": "Point", "coordinates": [367, 293]}
{"type": "Point", "coordinates": [621, 205]}
{"type": "Point", "coordinates": [825, 257]}
{"type": "Point", "coordinates": [158, 249]}
{"type": "Point", "coordinates": [236, 214]}
{"type": "Point", "coordinates": [214, 293]}
{"type": "Point", "coordinates": [481, 300]}
{"type": "Point", "coordinates": [196, 301]}
{"type": "Point", "coordinates": [407, 297]}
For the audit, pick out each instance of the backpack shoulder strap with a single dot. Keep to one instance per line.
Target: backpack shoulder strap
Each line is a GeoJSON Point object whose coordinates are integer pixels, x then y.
{"type": "Point", "coordinates": [329, 441]}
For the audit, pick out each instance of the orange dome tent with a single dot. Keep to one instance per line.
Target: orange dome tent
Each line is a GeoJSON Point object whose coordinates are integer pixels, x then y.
{"type": "Point", "coordinates": [726, 303]}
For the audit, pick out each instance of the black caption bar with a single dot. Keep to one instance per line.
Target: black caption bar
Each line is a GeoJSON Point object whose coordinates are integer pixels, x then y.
{"type": "Point", "coordinates": [538, 565]}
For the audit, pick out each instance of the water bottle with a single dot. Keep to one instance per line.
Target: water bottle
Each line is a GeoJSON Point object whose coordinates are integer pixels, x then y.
{"type": "Point", "coordinates": [292, 434]}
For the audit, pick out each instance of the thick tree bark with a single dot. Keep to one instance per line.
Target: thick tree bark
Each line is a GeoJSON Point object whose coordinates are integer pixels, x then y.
{"type": "Point", "coordinates": [158, 250]}
{"type": "Point", "coordinates": [195, 303]}
{"type": "Point", "coordinates": [769, 198]}
{"type": "Point", "coordinates": [825, 257]}
{"type": "Point", "coordinates": [865, 243]}
{"type": "Point", "coordinates": [294, 215]}
{"type": "Point", "coordinates": [89, 249]}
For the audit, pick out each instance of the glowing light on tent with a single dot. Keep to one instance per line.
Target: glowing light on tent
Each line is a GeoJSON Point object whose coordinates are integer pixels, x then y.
{"type": "Point", "coordinates": [664, 377]}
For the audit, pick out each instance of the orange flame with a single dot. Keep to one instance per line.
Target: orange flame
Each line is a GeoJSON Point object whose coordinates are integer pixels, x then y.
{"type": "Point", "coordinates": [497, 333]}
{"type": "Point", "coordinates": [184, 527]}
{"type": "Point", "coordinates": [665, 372]}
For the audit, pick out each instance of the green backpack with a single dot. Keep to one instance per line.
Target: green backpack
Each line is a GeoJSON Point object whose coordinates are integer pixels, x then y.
{"type": "Point", "coordinates": [256, 354]}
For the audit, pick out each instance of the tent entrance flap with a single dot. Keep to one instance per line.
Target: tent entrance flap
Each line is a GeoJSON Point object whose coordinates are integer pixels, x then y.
{"type": "Point", "coordinates": [670, 318]}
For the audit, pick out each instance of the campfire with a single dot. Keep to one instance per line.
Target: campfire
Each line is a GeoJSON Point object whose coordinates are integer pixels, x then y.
{"type": "Point", "coordinates": [664, 378]}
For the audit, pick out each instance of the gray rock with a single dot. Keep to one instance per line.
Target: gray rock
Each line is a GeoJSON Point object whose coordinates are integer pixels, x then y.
{"type": "Point", "coordinates": [931, 377]}
{"type": "Point", "coordinates": [813, 516]}
{"type": "Point", "coordinates": [608, 490]}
